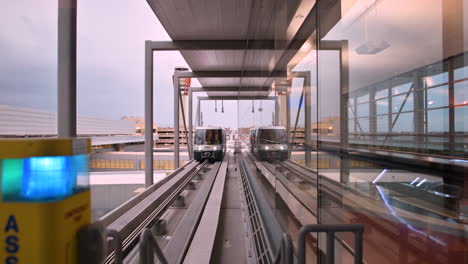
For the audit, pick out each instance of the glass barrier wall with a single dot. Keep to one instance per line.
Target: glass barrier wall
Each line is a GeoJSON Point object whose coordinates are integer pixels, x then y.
{"type": "Point", "coordinates": [388, 131]}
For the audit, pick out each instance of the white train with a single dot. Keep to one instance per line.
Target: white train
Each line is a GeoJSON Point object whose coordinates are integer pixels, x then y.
{"type": "Point", "coordinates": [269, 143]}
{"type": "Point", "coordinates": [209, 143]}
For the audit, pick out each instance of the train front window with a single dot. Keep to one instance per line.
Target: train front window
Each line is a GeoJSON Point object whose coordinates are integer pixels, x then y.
{"type": "Point", "coordinates": [208, 137]}
{"type": "Point", "coordinates": [272, 136]}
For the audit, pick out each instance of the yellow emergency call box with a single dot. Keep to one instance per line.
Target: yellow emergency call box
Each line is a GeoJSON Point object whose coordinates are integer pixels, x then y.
{"type": "Point", "coordinates": [44, 199]}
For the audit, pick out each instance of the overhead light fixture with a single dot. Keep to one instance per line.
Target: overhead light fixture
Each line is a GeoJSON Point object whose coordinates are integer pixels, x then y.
{"type": "Point", "coordinates": [421, 182]}
{"type": "Point", "coordinates": [372, 47]}
{"type": "Point", "coordinates": [222, 106]}
{"type": "Point", "coordinates": [216, 106]}
{"type": "Point", "coordinates": [415, 180]}
{"type": "Point", "coordinates": [379, 176]}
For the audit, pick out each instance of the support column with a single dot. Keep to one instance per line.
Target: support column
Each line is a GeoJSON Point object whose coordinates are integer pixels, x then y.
{"type": "Point", "coordinates": [148, 114]}
{"type": "Point", "coordinates": [176, 119]}
{"type": "Point", "coordinates": [66, 75]}
{"type": "Point", "coordinates": [190, 126]}
{"type": "Point", "coordinates": [288, 114]}
{"type": "Point", "coordinates": [308, 118]}
{"type": "Point", "coordinates": [344, 115]}
{"type": "Point", "coordinates": [277, 112]}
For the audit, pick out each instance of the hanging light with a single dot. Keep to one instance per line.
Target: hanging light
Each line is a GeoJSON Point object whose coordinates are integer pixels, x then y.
{"type": "Point", "coordinates": [222, 106]}
{"type": "Point", "coordinates": [216, 106]}
{"type": "Point", "coordinates": [253, 109]}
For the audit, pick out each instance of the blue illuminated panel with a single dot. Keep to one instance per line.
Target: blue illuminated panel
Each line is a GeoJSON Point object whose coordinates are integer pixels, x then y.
{"type": "Point", "coordinates": [43, 178]}
{"type": "Point", "coordinates": [46, 178]}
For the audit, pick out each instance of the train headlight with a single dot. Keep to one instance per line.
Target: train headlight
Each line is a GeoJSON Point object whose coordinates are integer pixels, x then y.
{"type": "Point", "coordinates": [282, 147]}
{"type": "Point", "coordinates": [215, 147]}
{"type": "Point", "coordinates": [267, 147]}
{"type": "Point", "coordinates": [198, 147]}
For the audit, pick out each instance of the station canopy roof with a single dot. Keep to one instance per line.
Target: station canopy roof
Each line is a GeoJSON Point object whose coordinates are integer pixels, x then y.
{"type": "Point", "coordinates": [271, 32]}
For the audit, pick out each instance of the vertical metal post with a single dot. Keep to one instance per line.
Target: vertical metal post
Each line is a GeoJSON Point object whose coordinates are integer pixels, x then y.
{"type": "Point", "coordinates": [420, 110]}
{"type": "Point", "coordinates": [198, 113]}
{"type": "Point", "coordinates": [451, 90]}
{"type": "Point", "coordinates": [308, 118]}
{"type": "Point", "coordinates": [277, 111]}
{"type": "Point", "coordinates": [66, 75]}
{"type": "Point", "coordinates": [176, 119]}
{"type": "Point", "coordinates": [344, 114]}
{"type": "Point", "coordinates": [288, 113]}
{"type": "Point", "coordinates": [190, 132]}
{"type": "Point", "coordinates": [148, 114]}
{"type": "Point", "coordinates": [330, 247]}
{"type": "Point", "coordinates": [358, 247]}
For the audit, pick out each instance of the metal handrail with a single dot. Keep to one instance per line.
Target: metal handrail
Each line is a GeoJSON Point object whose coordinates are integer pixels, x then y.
{"type": "Point", "coordinates": [148, 247]}
{"type": "Point", "coordinates": [330, 230]}
{"type": "Point", "coordinates": [285, 252]}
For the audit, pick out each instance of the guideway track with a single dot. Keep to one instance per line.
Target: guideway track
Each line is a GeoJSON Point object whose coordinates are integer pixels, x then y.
{"type": "Point", "coordinates": [130, 219]}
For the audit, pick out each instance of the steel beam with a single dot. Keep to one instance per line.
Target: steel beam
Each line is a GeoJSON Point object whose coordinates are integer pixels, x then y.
{"type": "Point", "coordinates": [148, 115]}
{"type": "Point", "coordinates": [66, 73]}
{"type": "Point", "coordinates": [307, 113]}
{"type": "Point", "coordinates": [198, 113]}
{"type": "Point", "coordinates": [237, 98]}
{"type": "Point", "coordinates": [190, 121]}
{"type": "Point", "coordinates": [213, 45]}
{"type": "Point", "coordinates": [230, 89]}
{"type": "Point", "coordinates": [277, 112]}
{"type": "Point", "coordinates": [175, 79]}
{"type": "Point", "coordinates": [233, 74]}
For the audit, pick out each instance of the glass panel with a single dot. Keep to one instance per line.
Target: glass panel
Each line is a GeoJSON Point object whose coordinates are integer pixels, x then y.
{"type": "Point", "coordinates": [461, 73]}
{"type": "Point", "coordinates": [438, 120]}
{"type": "Point", "coordinates": [363, 110]}
{"type": "Point", "coordinates": [382, 106]}
{"type": "Point", "coordinates": [381, 94]}
{"type": "Point", "coordinates": [437, 97]}
{"type": "Point", "coordinates": [404, 123]}
{"type": "Point", "coordinates": [461, 93]}
{"type": "Point", "coordinates": [382, 124]}
{"type": "Point", "coordinates": [436, 79]}
{"type": "Point", "coordinates": [363, 98]}
{"type": "Point", "coordinates": [404, 88]}
{"type": "Point", "coordinates": [397, 102]}
{"type": "Point", "coordinates": [461, 119]}
{"type": "Point", "coordinates": [363, 125]}
{"type": "Point", "coordinates": [351, 125]}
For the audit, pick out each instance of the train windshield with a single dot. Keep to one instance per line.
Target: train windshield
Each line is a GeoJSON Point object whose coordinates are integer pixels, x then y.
{"type": "Point", "coordinates": [272, 136]}
{"type": "Point", "coordinates": [209, 137]}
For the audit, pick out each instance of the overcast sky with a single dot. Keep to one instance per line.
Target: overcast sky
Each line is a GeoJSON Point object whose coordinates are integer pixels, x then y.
{"type": "Point", "coordinates": [111, 35]}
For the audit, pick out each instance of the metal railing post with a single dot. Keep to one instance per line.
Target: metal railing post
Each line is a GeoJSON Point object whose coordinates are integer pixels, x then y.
{"type": "Point", "coordinates": [330, 230]}
{"type": "Point", "coordinates": [148, 246]}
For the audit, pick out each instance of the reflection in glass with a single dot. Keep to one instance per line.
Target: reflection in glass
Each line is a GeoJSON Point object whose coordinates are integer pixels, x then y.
{"type": "Point", "coordinates": [461, 93]}
{"type": "Point", "coordinates": [382, 124]}
{"type": "Point", "coordinates": [363, 110]}
{"type": "Point", "coordinates": [437, 120]}
{"type": "Point", "coordinates": [404, 88]}
{"type": "Point", "coordinates": [437, 97]}
{"type": "Point", "coordinates": [381, 94]}
{"type": "Point", "coordinates": [382, 106]}
{"type": "Point", "coordinates": [403, 123]}
{"type": "Point", "coordinates": [436, 79]}
{"type": "Point", "coordinates": [461, 119]}
{"type": "Point", "coordinates": [405, 100]}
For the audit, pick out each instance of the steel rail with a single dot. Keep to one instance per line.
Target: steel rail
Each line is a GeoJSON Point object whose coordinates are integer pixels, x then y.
{"type": "Point", "coordinates": [164, 200]}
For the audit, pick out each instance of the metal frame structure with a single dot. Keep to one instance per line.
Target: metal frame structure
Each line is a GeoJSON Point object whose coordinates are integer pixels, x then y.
{"type": "Point", "coordinates": [151, 46]}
